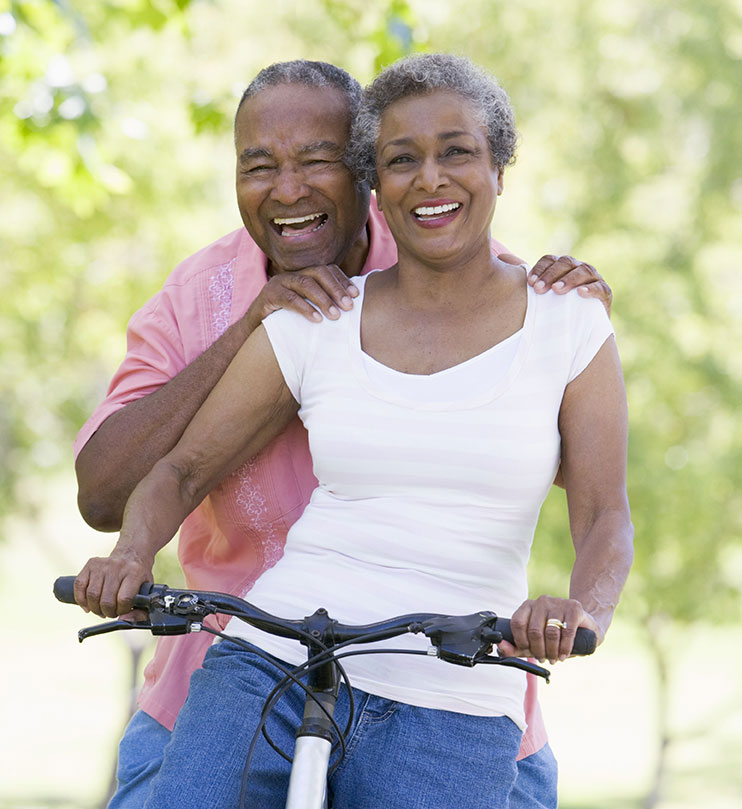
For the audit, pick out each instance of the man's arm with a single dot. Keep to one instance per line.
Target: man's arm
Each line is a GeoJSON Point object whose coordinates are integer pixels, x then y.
{"type": "Point", "coordinates": [235, 422]}
{"type": "Point", "coordinates": [129, 442]}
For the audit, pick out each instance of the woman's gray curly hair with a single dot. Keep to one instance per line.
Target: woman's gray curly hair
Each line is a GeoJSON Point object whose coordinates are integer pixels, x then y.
{"type": "Point", "coordinates": [420, 75]}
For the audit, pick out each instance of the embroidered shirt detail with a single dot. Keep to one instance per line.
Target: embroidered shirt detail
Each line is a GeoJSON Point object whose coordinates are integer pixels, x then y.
{"type": "Point", "coordinates": [252, 502]}
{"type": "Point", "coordinates": [221, 285]}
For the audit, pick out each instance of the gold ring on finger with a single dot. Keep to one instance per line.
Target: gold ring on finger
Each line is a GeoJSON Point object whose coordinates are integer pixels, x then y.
{"type": "Point", "coordinates": [557, 623]}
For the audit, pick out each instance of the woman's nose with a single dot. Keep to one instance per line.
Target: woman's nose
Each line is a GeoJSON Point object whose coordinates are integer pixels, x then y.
{"type": "Point", "coordinates": [430, 176]}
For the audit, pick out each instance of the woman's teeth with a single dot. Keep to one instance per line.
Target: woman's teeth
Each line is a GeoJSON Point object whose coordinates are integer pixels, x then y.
{"type": "Point", "coordinates": [436, 210]}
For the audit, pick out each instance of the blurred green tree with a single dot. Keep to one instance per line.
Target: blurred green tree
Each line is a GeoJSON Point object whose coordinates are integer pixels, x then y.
{"type": "Point", "coordinates": [115, 124]}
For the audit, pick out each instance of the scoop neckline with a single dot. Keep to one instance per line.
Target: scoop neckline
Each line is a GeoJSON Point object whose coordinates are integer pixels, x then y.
{"type": "Point", "coordinates": [357, 355]}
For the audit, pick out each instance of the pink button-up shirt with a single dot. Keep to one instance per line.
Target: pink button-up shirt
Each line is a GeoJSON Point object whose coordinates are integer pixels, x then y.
{"type": "Point", "coordinates": [240, 529]}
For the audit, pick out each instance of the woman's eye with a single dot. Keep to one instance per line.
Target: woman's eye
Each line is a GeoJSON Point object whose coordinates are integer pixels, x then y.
{"type": "Point", "coordinates": [456, 151]}
{"type": "Point", "coordinates": [400, 160]}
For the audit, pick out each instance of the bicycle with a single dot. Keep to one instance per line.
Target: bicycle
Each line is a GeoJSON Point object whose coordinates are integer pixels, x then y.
{"type": "Point", "coordinates": [465, 640]}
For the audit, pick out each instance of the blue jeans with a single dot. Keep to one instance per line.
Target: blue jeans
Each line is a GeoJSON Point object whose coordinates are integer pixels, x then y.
{"type": "Point", "coordinates": [389, 761]}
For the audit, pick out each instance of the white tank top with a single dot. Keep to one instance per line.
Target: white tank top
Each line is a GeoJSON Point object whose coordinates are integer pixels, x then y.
{"type": "Point", "coordinates": [429, 490]}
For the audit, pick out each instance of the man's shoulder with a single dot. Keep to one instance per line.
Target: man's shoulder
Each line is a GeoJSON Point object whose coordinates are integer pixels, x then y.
{"type": "Point", "coordinates": [235, 248]}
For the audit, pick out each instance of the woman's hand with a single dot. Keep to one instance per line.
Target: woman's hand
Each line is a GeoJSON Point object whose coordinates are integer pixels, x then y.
{"type": "Point", "coordinates": [545, 628]}
{"type": "Point", "coordinates": [106, 586]}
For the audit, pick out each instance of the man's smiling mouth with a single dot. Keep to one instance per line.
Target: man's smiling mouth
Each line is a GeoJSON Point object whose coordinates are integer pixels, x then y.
{"type": "Point", "coordinates": [299, 225]}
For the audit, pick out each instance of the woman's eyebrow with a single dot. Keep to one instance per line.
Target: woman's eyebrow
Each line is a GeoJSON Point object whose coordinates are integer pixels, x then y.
{"type": "Point", "coordinates": [405, 141]}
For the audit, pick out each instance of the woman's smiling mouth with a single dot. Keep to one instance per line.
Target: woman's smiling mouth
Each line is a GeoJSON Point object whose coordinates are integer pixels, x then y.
{"type": "Point", "coordinates": [436, 214]}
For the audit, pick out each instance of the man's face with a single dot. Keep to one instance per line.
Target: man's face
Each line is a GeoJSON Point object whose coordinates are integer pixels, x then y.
{"type": "Point", "coordinates": [296, 197]}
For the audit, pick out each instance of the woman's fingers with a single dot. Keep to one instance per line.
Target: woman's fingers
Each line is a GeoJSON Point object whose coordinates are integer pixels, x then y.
{"type": "Point", "coordinates": [545, 628]}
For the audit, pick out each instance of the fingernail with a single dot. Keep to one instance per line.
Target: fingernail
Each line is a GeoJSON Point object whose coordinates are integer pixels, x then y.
{"type": "Point", "coordinates": [346, 301]}
{"type": "Point", "coordinates": [562, 658]}
{"type": "Point", "coordinates": [333, 311]}
{"type": "Point", "coordinates": [558, 285]}
{"type": "Point", "coordinates": [353, 291]}
{"type": "Point", "coordinates": [539, 285]}
{"type": "Point", "coordinates": [532, 278]}
{"type": "Point", "coordinates": [584, 290]}
{"type": "Point", "coordinates": [316, 316]}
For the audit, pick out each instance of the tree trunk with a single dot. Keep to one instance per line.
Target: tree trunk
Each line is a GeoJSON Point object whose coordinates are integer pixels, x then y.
{"type": "Point", "coordinates": [655, 626]}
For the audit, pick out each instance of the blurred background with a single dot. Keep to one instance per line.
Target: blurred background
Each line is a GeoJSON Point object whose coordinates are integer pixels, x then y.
{"type": "Point", "coordinates": [116, 155]}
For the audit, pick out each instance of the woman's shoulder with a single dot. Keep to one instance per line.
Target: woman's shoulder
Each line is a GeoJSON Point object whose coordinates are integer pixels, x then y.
{"type": "Point", "coordinates": [568, 304]}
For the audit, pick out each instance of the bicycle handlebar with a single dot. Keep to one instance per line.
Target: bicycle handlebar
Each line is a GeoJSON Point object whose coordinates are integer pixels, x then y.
{"type": "Point", "coordinates": [453, 632]}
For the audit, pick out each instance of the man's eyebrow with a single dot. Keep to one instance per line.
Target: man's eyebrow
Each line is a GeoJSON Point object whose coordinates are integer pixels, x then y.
{"type": "Point", "coordinates": [254, 153]}
{"type": "Point", "coordinates": [320, 146]}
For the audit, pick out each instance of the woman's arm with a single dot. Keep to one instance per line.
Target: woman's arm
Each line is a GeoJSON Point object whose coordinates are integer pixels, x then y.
{"type": "Point", "coordinates": [249, 406]}
{"type": "Point", "coordinates": [594, 427]}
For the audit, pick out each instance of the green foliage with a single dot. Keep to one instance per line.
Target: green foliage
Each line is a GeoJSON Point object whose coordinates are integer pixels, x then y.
{"type": "Point", "coordinates": [115, 139]}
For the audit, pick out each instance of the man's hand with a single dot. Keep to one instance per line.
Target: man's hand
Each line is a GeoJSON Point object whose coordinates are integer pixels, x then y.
{"type": "Point", "coordinates": [106, 586]}
{"type": "Point", "coordinates": [327, 287]}
{"type": "Point", "coordinates": [564, 273]}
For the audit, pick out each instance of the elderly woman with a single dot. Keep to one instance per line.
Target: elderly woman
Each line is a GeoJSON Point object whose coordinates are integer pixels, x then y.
{"type": "Point", "coordinates": [438, 412]}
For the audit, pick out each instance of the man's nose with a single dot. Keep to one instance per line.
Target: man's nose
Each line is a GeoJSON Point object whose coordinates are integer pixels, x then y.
{"type": "Point", "coordinates": [289, 185]}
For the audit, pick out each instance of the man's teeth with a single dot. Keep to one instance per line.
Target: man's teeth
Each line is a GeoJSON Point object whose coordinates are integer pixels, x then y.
{"type": "Point", "coordinates": [297, 220]}
{"type": "Point", "coordinates": [437, 210]}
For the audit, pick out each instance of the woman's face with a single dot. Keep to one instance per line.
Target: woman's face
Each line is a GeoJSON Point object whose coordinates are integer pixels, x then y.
{"type": "Point", "coordinates": [437, 184]}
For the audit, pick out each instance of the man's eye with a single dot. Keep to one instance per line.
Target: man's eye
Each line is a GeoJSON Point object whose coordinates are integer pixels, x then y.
{"type": "Point", "coordinates": [259, 169]}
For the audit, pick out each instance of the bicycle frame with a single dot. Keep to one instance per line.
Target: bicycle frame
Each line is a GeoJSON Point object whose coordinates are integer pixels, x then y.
{"type": "Point", "coordinates": [308, 779]}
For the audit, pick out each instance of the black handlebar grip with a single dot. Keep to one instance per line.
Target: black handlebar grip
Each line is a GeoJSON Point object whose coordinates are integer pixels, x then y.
{"type": "Point", "coordinates": [585, 642]}
{"type": "Point", "coordinates": [64, 589]}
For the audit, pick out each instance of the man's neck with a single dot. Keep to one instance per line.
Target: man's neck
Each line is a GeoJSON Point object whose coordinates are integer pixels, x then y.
{"type": "Point", "coordinates": [353, 262]}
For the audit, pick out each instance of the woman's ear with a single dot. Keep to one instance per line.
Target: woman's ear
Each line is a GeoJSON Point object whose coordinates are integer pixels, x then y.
{"type": "Point", "coordinates": [500, 185]}
{"type": "Point", "coordinates": [377, 194]}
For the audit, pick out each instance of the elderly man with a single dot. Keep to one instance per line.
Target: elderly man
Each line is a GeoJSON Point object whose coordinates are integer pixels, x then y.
{"type": "Point", "coordinates": [309, 228]}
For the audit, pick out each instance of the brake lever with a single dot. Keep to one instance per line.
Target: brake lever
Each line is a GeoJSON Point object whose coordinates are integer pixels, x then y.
{"type": "Point", "coordinates": [516, 663]}
{"type": "Point", "coordinates": [160, 623]}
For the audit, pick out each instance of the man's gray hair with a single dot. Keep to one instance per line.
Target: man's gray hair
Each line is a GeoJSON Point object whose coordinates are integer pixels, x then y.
{"type": "Point", "coordinates": [420, 75]}
{"type": "Point", "coordinates": [312, 74]}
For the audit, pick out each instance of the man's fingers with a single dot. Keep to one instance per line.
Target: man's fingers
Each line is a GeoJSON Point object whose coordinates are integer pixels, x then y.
{"type": "Point", "coordinates": [550, 270]}
{"type": "Point", "coordinates": [81, 589]}
{"type": "Point", "coordinates": [509, 258]}
{"type": "Point", "coordinates": [324, 288]}
{"type": "Point", "coordinates": [562, 274]}
{"type": "Point", "coordinates": [539, 268]}
{"type": "Point", "coordinates": [597, 289]}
